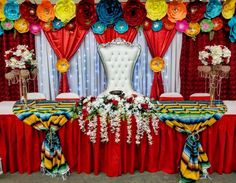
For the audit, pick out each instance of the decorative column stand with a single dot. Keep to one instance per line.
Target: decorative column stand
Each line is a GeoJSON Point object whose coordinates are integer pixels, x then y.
{"type": "Point", "coordinates": [215, 74]}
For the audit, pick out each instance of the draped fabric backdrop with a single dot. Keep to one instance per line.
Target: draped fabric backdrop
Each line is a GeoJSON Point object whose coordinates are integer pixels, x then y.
{"type": "Point", "coordinates": [7, 41]}
{"type": "Point", "coordinates": [191, 82]}
{"type": "Point", "coordinates": [86, 75]}
{"type": "Point", "coordinates": [158, 43]}
{"type": "Point", "coordinates": [65, 44]}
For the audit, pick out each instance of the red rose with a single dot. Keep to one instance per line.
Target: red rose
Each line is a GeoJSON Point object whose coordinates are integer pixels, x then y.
{"type": "Point", "coordinates": [134, 13]}
{"type": "Point", "coordinates": [93, 99]}
{"type": "Point", "coordinates": [8, 56]}
{"type": "Point", "coordinates": [144, 106]}
{"type": "Point", "coordinates": [86, 13]}
{"type": "Point", "coordinates": [115, 102]}
{"type": "Point", "coordinates": [18, 58]}
{"type": "Point", "coordinates": [28, 11]}
{"type": "Point", "coordinates": [196, 11]}
{"type": "Point", "coordinates": [130, 100]}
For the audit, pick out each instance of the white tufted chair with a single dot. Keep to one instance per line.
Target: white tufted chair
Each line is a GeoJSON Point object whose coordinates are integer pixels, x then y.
{"type": "Point", "coordinates": [118, 58]}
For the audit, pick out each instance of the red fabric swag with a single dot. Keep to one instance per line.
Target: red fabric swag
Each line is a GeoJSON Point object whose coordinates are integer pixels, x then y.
{"type": "Point", "coordinates": [158, 43]}
{"type": "Point", "coordinates": [65, 44]}
{"type": "Point", "coordinates": [111, 34]}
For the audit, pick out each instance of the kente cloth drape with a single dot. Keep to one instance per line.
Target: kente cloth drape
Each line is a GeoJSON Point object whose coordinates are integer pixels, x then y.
{"type": "Point", "coordinates": [50, 117]}
{"type": "Point", "coordinates": [158, 43]}
{"type": "Point", "coordinates": [191, 117]}
{"type": "Point", "coordinates": [7, 41]}
{"type": "Point", "coordinates": [111, 34]}
{"type": "Point", "coordinates": [191, 82]}
{"type": "Point", "coordinates": [113, 159]}
{"type": "Point", "coordinates": [65, 44]}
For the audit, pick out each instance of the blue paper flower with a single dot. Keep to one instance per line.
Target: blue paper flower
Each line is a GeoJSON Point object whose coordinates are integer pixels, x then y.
{"type": "Point", "coordinates": [213, 9]}
{"type": "Point", "coordinates": [1, 31]}
{"type": "Point", "coordinates": [232, 33]}
{"type": "Point", "coordinates": [57, 24]}
{"type": "Point", "coordinates": [109, 11]}
{"type": "Point", "coordinates": [99, 27]}
{"type": "Point", "coordinates": [121, 26]}
{"type": "Point", "coordinates": [11, 10]}
{"type": "Point", "coordinates": [157, 25]}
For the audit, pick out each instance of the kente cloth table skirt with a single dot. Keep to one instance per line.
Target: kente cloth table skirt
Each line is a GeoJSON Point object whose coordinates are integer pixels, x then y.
{"type": "Point", "coordinates": [20, 147]}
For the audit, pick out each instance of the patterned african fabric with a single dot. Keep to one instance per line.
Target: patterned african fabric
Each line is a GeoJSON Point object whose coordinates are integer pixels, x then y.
{"type": "Point", "coordinates": [191, 117]}
{"type": "Point", "coordinates": [48, 116]}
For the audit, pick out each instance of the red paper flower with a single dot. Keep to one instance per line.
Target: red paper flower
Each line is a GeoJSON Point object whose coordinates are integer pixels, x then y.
{"type": "Point", "coordinates": [196, 11]}
{"type": "Point", "coordinates": [86, 13]}
{"type": "Point", "coordinates": [134, 13]}
{"type": "Point", "coordinates": [28, 11]}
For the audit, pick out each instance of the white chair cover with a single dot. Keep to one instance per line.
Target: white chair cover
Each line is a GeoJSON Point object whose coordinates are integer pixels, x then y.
{"type": "Point", "coordinates": [118, 58]}
{"type": "Point", "coordinates": [36, 96]}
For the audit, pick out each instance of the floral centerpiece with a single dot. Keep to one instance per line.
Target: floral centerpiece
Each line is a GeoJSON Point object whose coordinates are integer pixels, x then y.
{"type": "Point", "coordinates": [112, 111]}
{"type": "Point", "coordinates": [214, 55]}
{"type": "Point", "coordinates": [20, 57]}
{"type": "Point", "coordinates": [214, 59]}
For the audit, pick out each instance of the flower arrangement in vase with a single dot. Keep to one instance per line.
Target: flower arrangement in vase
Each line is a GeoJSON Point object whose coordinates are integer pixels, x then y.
{"type": "Point", "coordinates": [215, 60]}
{"type": "Point", "coordinates": [21, 60]}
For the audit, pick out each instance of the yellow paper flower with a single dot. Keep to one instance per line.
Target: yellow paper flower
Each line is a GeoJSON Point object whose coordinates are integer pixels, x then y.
{"type": "Point", "coordinates": [193, 29]}
{"type": "Point", "coordinates": [2, 16]}
{"type": "Point", "coordinates": [65, 10]}
{"type": "Point", "coordinates": [62, 65]}
{"type": "Point", "coordinates": [228, 9]}
{"type": "Point", "coordinates": [157, 64]}
{"type": "Point", "coordinates": [156, 9]}
{"type": "Point", "coordinates": [21, 25]}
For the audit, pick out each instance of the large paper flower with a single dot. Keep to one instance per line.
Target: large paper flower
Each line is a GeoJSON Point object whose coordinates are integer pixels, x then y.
{"type": "Point", "coordinates": [157, 25]}
{"type": "Point", "coordinates": [2, 16]}
{"type": "Point", "coordinates": [1, 31]}
{"type": "Point", "coordinates": [156, 10]}
{"type": "Point", "coordinates": [65, 10]}
{"type": "Point", "coordinates": [168, 25]}
{"type": "Point", "coordinates": [21, 25]}
{"type": "Point", "coordinates": [206, 25]}
{"type": "Point", "coordinates": [121, 26]}
{"type": "Point", "coordinates": [181, 26]}
{"type": "Point", "coordinates": [62, 65]}
{"type": "Point", "coordinates": [176, 11]}
{"type": "Point", "coordinates": [34, 28]}
{"type": "Point", "coordinates": [57, 24]}
{"type": "Point", "coordinates": [109, 11]}
{"type": "Point", "coordinates": [218, 23]}
{"type": "Point", "coordinates": [196, 11]}
{"type": "Point", "coordinates": [86, 13]}
{"type": "Point", "coordinates": [228, 9]}
{"type": "Point", "coordinates": [213, 9]}
{"type": "Point", "coordinates": [134, 13]}
{"type": "Point", "coordinates": [7, 24]}
{"type": "Point", "coordinates": [99, 27]}
{"type": "Point", "coordinates": [28, 11]}
{"type": "Point", "coordinates": [193, 29]}
{"type": "Point", "coordinates": [12, 10]}
{"type": "Point", "coordinates": [45, 11]}
{"type": "Point", "coordinates": [147, 25]}
{"type": "Point", "coordinates": [232, 33]}
{"type": "Point", "coordinates": [157, 64]}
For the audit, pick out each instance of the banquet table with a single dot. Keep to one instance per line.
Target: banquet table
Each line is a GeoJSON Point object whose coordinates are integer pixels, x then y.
{"type": "Point", "coordinates": [20, 147]}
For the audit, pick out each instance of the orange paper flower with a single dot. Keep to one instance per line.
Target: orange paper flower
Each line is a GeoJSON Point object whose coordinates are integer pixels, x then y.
{"type": "Point", "coordinates": [218, 23]}
{"type": "Point", "coordinates": [167, 24]}
{"type": "Point", "coordinates": [176, 11]}
{"type": "Point", "coordinates": [62, 65]}
{"type": "Point", "coordinates": [45, 11]}
{"type": "Point", "coordinates": [157, 64]}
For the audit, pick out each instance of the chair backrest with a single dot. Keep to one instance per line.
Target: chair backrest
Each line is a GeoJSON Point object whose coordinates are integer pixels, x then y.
{"type": "Point", "coordinates": [36, 96]}
{"type": "Point", "coordinates": [67, 96]}
{"type": "Point", "coordinates": [171, 96]}
{"type": "Point", "coordinates": [118, 58]}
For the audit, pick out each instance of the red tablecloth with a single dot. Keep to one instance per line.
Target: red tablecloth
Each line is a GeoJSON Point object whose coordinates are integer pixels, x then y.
{"type": "Point", "coordinates": [20, 147]}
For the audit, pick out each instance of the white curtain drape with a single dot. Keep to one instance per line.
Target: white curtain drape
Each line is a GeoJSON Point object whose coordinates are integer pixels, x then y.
{"type": "Point", "coordinates": [86, 75]}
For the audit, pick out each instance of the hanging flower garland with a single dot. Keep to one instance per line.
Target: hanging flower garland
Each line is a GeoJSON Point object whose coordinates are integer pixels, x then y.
{"type": "Point", "coordinates": [111, 110]}
{"type": "Point", "coordinates": [86, 13]}
{"type": "Point", "coordinates": [134, 13]}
